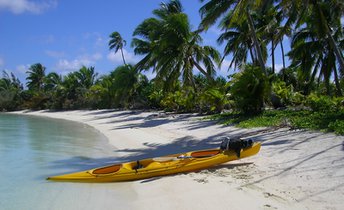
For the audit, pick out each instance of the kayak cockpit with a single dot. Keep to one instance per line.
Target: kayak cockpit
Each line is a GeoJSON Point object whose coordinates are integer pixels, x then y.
{"type": "Point", "coordinates": [107, 169]}
{"type": "Point", "coordinates": [205, 153]}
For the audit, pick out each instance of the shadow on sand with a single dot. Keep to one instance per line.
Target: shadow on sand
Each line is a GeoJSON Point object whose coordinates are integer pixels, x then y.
{"type": "Point", "coordinates": [278, 141]}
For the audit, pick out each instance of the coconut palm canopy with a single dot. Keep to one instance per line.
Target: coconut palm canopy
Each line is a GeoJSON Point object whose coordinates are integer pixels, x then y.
{"type": "Point", "coordinates": [172, 48]}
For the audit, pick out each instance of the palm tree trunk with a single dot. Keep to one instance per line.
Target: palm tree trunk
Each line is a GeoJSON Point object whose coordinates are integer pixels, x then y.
{"type": "Point", "coordinates": [331, 40]}
{"type": "Point", "coordinates": [273, 55]}
{"type": "Point", "coordinates": [123, 57]}
{"type": "Point", "coordinates": [255, 41]}
{"type": "Point", "coordinates": [251, 53]}
{"type": "Point", "coordinates": [336, 81]}
{"type": "Point", "coordinates": [282, 50]}
{"type": "Point", "coordinates": [314, 73]}
{"type": "Point", "coordinates": [210, 78]}
{"type": "Point", "coordinates": [338, 53]}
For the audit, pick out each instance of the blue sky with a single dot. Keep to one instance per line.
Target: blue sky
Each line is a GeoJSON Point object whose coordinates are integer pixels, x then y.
{"type": "Point", "coordinates": [63, 35]}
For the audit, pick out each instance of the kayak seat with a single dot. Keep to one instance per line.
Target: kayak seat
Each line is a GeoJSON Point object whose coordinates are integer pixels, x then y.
{"type": "Point", "coordinates": [138, 165]}
{"type": "Point", "coordinates": [107, 169]}
{"type": "Point", "coordinates": [204, 154]}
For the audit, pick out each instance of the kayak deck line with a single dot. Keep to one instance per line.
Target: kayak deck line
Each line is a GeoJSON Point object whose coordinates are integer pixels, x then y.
{"type": "Point", "coordinates": [172, 164]}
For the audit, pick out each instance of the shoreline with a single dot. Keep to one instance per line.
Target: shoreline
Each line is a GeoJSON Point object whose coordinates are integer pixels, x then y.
{"type": "Point", "coordinates": [294, 169]}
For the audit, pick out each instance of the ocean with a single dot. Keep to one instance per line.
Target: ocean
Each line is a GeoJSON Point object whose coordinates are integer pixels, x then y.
{"type": "Point", "coordinates": [33, 148]}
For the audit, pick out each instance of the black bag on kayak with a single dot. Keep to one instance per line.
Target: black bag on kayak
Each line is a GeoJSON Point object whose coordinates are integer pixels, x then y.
{"type": "Point", "coordinates": [235, 144]}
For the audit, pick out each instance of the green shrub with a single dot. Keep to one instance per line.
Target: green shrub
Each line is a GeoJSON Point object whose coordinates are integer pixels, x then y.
{"type": "Point", "coordinates": [180, 100]}
{"type": "Point", "coordinates": [281, 94]}
{"type": "Point", "coordinates": [213, 100]}
{"type": "Point", "coordinates": [297, 99]}
{"type": "Point", "coordinates": [185, 99]}
{"type": "Point", "coordinates": [324, 103]}
{"type": "Point", "coordinates": [306, 119]}
{"type": "Point", "coordinates": [6, 100]}
{"type": "Point", "coordinates": [337, 126]}
{"type": "Point", "coordinates": [249, 89]}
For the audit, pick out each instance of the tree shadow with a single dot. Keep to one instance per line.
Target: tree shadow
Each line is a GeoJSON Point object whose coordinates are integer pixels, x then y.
{"type": "Point", "coordinates": [281, 140]}
{"type": "Point", "coordinates": [212, 169]}
{"type": "Point", "coordinates": [177, 146]}
{"type": "Point", "coordinates": [299, 162]}
{"type": "Point", "coordinates": [331, 189]}
{"type": "Point", "coordinates": [150, 121]}
{"type": "Point", "coordinates": [115, 114]}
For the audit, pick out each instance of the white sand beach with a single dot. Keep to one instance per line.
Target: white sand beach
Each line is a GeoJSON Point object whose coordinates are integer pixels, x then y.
{"type": "Point", "coordinates": [295, 169]}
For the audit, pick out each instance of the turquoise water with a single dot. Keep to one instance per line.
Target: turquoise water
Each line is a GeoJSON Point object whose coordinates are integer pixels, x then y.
{"type": "Point", "coordinates": [33, 148]}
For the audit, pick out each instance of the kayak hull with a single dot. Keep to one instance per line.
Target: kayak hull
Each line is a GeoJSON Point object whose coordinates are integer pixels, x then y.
{"type": "Point", "coordinates": [161, 166]}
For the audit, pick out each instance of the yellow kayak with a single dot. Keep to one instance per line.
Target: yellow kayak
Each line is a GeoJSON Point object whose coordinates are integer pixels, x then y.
{"type": "Point", "coordinates": [171, 164]}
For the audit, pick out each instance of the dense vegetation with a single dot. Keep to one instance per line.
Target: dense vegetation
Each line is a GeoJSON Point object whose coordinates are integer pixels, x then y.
{"type": "Point", "coordinates": [251, 30]}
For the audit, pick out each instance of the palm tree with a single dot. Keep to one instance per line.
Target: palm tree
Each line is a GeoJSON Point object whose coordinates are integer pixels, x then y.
{"type": "Point", "coordinates": [117, 42]}
{"type": "Point", "coordinates": [123, 80]}
{"type": "Point", "coordinates": [10, 82]}
{"type": "Point", "coordinates": [86, 77]}
{"type": "Point", "coordinates": [237, 41]}
{"type": "Point", "coordinates": [313, 56]}
{"type": "Point", "coordinates": [269, 25]}
{"type": "Point", "coordinates": [171, 48]}
{"type": "Point", "coordinates": [75, 88]}
{"type": "Point", "coordinates": [69, 86]}
{"type": "Point", "coordinates": [326, 16]}
{"type": "Point", "coordinates": [36, 77]}
{"type": "Point", "coordinates": [235, 9]}
{"type": "Point", "coordinates": [10, 90]}
{"type": "Point", "coordinates": [321, 19]}
{"type": "Point", "coordinates": [52, 81]}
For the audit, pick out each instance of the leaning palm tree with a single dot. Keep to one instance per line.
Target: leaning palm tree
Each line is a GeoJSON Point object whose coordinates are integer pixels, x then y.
{"type": "Point", "coordinates": [117, 43]}
{"type": "Point", "coordinates": [269, 21]}
{"type": "Point", "coordinates": [237, 41]}
{"type": "Point", "coordinates": [236, 10]}
{"type": "Point", "coordinates": [36, 77]}
{"type": "Point", "coordinates": [171, 48]}
{"type": "Point", "coordinates": [328, 16]}
{"type": "Point", "coordinates": [313, 56]}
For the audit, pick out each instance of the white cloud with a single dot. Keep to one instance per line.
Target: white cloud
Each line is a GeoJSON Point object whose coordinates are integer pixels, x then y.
{"type": "Point", "coordinates": [149, 74]}
{"type": "Point", "coordinates": [278, 67]}
{"type": "Point", "coordinates": [21, 6]}
{"type": "Point", "coordinates": [225, 70]}
{"type": "Point", "coordinates": [117, 58]}
{"type": "Point", "coordinates": [97, 56]}
{"type": "Point", "coordinates": [65, 66]}
{"type": "Point", "coordinates": [22, 69]}
{"type": "Point", "coordinates": [72, 65]}
{"type": "Point", "coordinates": [215, 31]}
